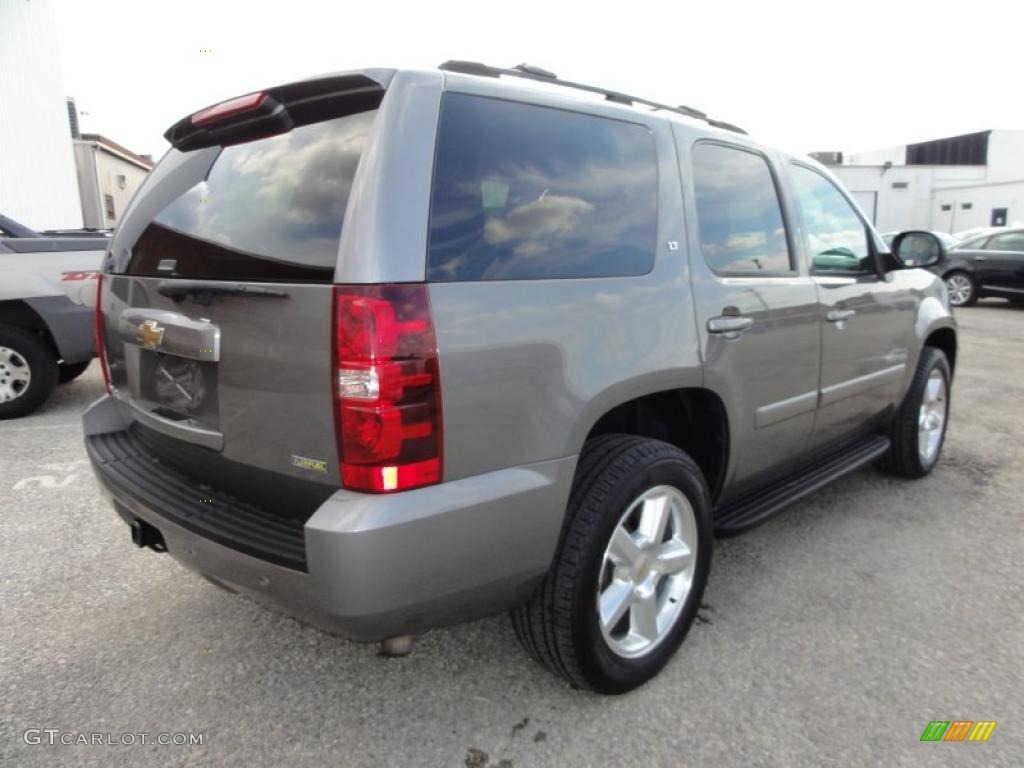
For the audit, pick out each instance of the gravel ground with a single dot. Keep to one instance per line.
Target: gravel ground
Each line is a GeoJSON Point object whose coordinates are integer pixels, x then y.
{"type": "Point", "coordinates": [831, 635]}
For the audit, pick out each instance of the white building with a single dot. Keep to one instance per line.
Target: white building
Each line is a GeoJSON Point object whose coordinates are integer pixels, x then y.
{"type": "Point", "coordinates": [949, 185]}
{"type": "Point", "coordinates": [108, 175]}
{"type": "Point", "coordinates": [37, 166]}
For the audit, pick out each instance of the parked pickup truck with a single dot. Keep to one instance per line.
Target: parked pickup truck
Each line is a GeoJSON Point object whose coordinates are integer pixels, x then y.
{"type": "Point", "coordinates": [396, 349]}
{"type": "Point", "coordinates": [47, 294]}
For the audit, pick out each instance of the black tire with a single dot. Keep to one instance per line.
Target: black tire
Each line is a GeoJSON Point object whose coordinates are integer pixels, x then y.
{"type": "Point", "coordinates": [71, 371]}
{"type": "Point", "coordinates": [972, 295]}
{"type": "Point", "coordinates": [559, 624]}
{"type": "Point", "coordinates": [35, 354]}
{"type": "Point", "coordinates": [904, 457]}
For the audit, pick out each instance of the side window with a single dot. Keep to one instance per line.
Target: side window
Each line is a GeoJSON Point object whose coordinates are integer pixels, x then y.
{"type": "Point", "coordinates": [524, 192]}
{"type": "Point", "coordinates": [977, 243]}
{"type": "Point", "coordinates": [738, 213]}
{"type": "Point", "coordinates": [1009, 241]}
{"type": "Point", "coordinates": [835, 233]}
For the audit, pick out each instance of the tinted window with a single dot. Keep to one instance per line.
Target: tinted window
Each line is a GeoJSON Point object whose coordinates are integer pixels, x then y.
{"type": "Point", "coordinates": [526, 192]}
{"type": "Point", "coordinates": [835, 233]}
{"type": "Point", "coordinates": [269, 209]}
{"type": "Point", "coordinates": [1010, 241]}
{"type": "Point", "coordinates": [978, 242]}
{"type": "Point", "coordinates": [738, 211]}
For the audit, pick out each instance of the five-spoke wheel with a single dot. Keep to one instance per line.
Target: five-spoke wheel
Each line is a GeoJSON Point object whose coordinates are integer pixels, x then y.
{"type": "Point", "coordinates": [647, 571]}
{"type": "Point", "coordinates": [630, 569]}
{"type": "Point", "coordinates": [960, 288]}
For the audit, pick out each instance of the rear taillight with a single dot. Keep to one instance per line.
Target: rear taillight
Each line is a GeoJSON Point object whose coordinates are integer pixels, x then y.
{"type": "Point", "coordinates": [101, 349]}
{"type": "Point", "coordinates": [387, 388]}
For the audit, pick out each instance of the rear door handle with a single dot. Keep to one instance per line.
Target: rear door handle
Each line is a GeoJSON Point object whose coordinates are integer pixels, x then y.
{"type": "Point", "coordinates": [729, 326]}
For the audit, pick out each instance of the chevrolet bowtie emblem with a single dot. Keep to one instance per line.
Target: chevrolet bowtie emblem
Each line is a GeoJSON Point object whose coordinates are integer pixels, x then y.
{"type": "Point", "coordinates": [149, 334]}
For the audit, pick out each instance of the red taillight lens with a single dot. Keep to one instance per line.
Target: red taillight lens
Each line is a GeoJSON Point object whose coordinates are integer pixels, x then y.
{"type": "Point", "coordinates": [387, 388]}
{"type": "Point", "coordinates": [229, 108]}
{"type": "Point", "coordinates": [101, 349]}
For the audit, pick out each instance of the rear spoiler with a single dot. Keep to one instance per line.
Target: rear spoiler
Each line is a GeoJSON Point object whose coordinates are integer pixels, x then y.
{"type": "Point", "coordinates": [279, 109]}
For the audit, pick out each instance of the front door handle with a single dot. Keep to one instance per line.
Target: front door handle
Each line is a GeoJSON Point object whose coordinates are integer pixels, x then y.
{"type": "Point", "coordinates": [840, 316]}
{"type": "Point", "coordinates": [729, 326]}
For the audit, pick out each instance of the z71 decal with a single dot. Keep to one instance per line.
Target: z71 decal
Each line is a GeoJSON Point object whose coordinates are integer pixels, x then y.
{"type": "Point", "coordinates": [86, 274]}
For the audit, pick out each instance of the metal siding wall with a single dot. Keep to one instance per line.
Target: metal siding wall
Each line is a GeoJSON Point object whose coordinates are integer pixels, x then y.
{"type": "Point", "coordinates": [109, 167]}
{"type": "Point", "coordinates": [37, 169]}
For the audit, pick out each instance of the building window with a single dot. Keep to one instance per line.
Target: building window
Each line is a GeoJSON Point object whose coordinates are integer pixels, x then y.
{"type": "Point", "coordinates": [900, 184]}
{"type": "Point", "coordinates": [965, 206]}
{"type": "Point", "coordinates": [947, 207]}
{"type": "Point", "coordinates": [111, 212]}
{"type": "Point", "coordinates": [121, 181]}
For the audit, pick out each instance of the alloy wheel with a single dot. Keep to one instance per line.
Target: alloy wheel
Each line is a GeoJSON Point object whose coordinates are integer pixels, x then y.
{"type": "Point", "coordinates": [15, 375]}
{"type": "Point", "coordinates": [931, 420]}
{"type": "Point", "coordinates": [647, 571]}
{"type": "Point", "coordinates": [959, 287]}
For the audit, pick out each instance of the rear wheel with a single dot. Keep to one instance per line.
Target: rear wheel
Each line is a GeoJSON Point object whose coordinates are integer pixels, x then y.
{"type": "Point", "coordinates": [962, 292]}
{"type": "Point", "coordinates": [920, 426]}
{"type": "Point", "coordinates": [630, 569]}
{"type": "Point", "coordinates": [28, 372]}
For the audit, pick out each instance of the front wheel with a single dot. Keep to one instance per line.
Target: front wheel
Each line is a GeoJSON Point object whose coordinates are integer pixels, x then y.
{"type": "Point", "coordinates": [630, 569]}
{"type": "Point", "coordinates": [28, 372]}
{"type": "Point", "coordinates": [962, 292]}
{"type": "Point", "coordinates": [919, 429]}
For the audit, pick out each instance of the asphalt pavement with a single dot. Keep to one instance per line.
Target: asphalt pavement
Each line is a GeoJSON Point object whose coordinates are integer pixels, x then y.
{"type": "Point", "coordinates": [830, 636]}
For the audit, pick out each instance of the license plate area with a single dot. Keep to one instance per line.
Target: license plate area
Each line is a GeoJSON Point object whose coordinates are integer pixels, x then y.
{"type": "Point", "coordinates": [174, 395]}
{"type": "Point", "coordinates": [183, 389]}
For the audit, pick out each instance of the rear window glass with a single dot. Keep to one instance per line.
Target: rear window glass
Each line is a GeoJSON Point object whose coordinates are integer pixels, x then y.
{"type": "Point", "coordinates": [526, 192]}
{"type": "Point", "coordinates": [269, 209]}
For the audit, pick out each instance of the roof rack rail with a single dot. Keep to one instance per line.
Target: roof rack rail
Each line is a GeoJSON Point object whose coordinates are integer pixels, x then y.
{"type": "Point", "coordinates": [530, 72]}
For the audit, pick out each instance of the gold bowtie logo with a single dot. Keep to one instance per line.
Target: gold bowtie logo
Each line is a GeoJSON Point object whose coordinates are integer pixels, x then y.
{"type": "Point", "coordinates": [149, 334]}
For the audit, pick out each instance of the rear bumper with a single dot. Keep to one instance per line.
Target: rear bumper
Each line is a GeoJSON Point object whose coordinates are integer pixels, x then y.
{"type": "Point", "coordinates": [381, 565]}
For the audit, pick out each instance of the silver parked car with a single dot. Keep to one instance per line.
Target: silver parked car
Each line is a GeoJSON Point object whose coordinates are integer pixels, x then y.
{"type": "Point", "coordinates": [47, 292]}
{"type": "Point", "coordinates": [392, 350]}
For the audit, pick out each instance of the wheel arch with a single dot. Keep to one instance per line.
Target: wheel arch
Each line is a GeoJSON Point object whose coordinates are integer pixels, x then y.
{"type": "Point", "coordinates": [694, 419]}
{"type": "Point", "coordinates": [944, 339]}
{"type": "Point", "coordinates": [18, 313]}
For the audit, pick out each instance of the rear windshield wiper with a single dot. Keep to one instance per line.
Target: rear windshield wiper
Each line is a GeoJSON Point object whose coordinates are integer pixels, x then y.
{"type": "Point", "coordinates": [203, 292]}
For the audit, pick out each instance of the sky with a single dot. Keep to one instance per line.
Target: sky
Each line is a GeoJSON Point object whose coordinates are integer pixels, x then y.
{"type": "Point", "coordinates": [802, 76]}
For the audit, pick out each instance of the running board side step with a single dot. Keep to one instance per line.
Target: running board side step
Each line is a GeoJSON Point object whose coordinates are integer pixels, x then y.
{"type": "Point", "coordinates": [746, 512]}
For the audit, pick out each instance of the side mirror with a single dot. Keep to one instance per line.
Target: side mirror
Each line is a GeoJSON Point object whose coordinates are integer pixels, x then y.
{"type": "Point", "coordinates": [917, 249]}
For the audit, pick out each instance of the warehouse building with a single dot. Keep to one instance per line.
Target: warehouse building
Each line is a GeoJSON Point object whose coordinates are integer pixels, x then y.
{"type": "Point", "coordinates": [950, 185]}
{"type": "Point", "coordinates": [108, 175]}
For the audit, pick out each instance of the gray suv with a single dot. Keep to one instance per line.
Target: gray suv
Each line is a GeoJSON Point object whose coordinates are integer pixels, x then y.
{"type": "Point", "coordinates": [391, 350]}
